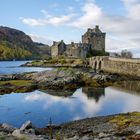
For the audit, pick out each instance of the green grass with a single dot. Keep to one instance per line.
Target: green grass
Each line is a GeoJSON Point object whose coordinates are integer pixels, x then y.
{"type": "Point", "coordinates": [16, 83]}
{"type": "Point", "coordinates": [129, 119]}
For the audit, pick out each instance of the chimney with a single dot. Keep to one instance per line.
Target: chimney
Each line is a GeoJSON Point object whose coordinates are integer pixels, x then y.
{"type": "Point", "coordinates": [54, 42]}
{"type": "Point", "coordinates": [89, 30]}
{"type": "Point", "coordinates": [97, 27]}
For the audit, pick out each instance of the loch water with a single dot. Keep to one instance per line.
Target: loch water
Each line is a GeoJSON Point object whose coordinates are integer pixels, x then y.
{"type": "Point", "coordinates": [63, 106]}
{"type": "Point", "coordinates": [13, 67]}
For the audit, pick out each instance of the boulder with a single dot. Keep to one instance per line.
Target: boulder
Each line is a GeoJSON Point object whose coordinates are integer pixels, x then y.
{"type": "Point", "coordinates": [26, 125]}
{"type": "Point", "coordinates": [8, 128]}
{"type": "Point", "coordinates": [17, 133]}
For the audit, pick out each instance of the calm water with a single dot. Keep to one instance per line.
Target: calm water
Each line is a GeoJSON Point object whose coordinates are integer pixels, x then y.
{"type": "Point", "coordinates": [39, 106]}
{"type": "Point", "coordinates": [11, 67]}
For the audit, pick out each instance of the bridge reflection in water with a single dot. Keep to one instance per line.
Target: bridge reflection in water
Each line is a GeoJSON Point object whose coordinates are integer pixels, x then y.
{"type": "Point", "coordinates": [132, 87]}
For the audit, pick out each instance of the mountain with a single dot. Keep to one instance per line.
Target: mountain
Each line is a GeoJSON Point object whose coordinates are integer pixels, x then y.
{"type": "Point", "coordinates": [44, 49]}
{"type": "Point", "coordinates": [15, 44]}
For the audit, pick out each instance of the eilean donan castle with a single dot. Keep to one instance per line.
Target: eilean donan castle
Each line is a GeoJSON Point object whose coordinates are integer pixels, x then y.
{"type": "Point", "coordinates": [93, 42]}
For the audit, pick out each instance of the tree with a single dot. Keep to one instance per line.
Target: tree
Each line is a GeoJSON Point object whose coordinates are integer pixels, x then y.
{"type": "Point", "coordinates": [126, 54]}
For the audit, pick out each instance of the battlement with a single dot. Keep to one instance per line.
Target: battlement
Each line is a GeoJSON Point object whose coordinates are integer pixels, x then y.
{"type": "Point", "coordinates": [96, 38]}
{"type": "Point", "coordinates": [92, 41]}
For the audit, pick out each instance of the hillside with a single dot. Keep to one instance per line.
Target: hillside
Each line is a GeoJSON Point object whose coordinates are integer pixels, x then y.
{"type": "Point", "coordinates": [15, 44]}
{"type": "Point", "coordinates": [44, 50]}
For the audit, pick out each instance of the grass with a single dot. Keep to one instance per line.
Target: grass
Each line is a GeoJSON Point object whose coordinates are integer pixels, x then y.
{"type": "Point", "coordinates": [16, 83]}
{"type": "Point", "coordinates": [17, 86]}
{"type": "Point", "coordinates": [130, 119]}
{"type": "Point", "coordinates": [59, 60]}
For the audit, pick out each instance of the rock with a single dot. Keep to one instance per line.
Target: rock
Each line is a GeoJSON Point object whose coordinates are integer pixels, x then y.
{"type": "Point", "coordinates": [21, 135]}
{"type": "Point", "coordinates": [31, 131]}
{"type": "Point", "coordinates": [26, 125]}
{"type": "Point", "coordinates": [102, 135]}
{"type": "Point", "coordinates": [17, 133]}
{"type": "Point", "coordinates": [8, 127]}
{"type": "Point", "coordinates": [4, 136]}
{"type": "Point", "coordinates": [73, 138]}
{"type": "Point", "coordinates": [138, 132]}
{"type": "Point", "coordinates": [86, 138]}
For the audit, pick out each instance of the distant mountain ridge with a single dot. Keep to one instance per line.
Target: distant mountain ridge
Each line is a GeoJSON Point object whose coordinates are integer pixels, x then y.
{"type": "Point", "coordinates": [15, 44]}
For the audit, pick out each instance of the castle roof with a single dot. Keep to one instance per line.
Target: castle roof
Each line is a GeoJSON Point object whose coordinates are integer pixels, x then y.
{"type": "Point", "coordinates": [94, 30]}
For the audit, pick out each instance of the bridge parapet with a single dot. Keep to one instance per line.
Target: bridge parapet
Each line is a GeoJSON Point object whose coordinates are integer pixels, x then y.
{"type": "Point", "coordinates": [116, 65]}
{"type": "Point", "coordinates": [97, 62]}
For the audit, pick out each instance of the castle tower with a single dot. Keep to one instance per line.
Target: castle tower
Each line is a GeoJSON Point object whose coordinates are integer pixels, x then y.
{"type": "Point", "coordinates": [95, 38]}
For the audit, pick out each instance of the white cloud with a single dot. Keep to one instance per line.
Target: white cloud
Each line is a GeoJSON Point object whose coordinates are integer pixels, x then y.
{"type": "Point", "coordinates": [124, 28]}
{"type": "Point", "coordinates": [133, 8]}
{"type": "Point", "coordinates": [42, 39]}
{"type": "Point", "coordinates": [48, 19]}
{"type": "Point", "coordinates": [51, 20]}
{"type": "Point", "coordinates": [92, 14]}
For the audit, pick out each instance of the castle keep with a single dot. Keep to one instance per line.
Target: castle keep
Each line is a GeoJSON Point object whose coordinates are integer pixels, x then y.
{"type": "Point", "coordinates": [93, 41]}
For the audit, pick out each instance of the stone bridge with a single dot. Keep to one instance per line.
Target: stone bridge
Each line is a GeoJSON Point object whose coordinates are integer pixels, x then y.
{"type": "Point", "coordinates": [97, 62]}
{"type": "Point", "coordinates": [116, 65]}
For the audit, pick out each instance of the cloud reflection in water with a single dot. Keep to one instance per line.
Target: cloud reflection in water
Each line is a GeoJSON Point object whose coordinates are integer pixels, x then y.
{"type": "Point", "coordinates": [83, 103]}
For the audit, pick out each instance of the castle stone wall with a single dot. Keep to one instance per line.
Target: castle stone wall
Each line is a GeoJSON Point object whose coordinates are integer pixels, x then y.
{"type": "Point", "coordinates": [93, 42]}
{"type": "Point", "coordinates": [96, 38]}
{"type": "Point", "coordinates": [116, 65]}
{"type": "Point", "coordinates": [54, 51]}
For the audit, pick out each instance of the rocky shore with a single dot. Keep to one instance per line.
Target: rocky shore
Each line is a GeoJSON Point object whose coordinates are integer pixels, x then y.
{"type": "Point", "coordinates": [115, 127]}
{"type": "Point", "coordinates": [58, 62]}
{"type": "Point", "coordinates": [59, 78]}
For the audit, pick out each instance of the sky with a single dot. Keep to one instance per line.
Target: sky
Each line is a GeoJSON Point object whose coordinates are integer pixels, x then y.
{"type": "Point", "coordinates": [68, 20]}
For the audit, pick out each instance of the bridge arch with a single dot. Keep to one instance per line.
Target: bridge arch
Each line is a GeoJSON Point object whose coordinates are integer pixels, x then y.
{"type": "Point", "coordinates": [100, 65]}
{"type": "Point", "coordinates": [95, 65]}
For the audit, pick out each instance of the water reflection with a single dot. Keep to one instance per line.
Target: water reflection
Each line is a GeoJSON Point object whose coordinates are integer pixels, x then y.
{"type": "Point", "coordinates": [95, 93]}
{"type": "Point", "coordinates": [39, 106]}
{"type": "Point", "coordinates": [129, 86]}
{"type": "Point", "coordinates": [62, 93]}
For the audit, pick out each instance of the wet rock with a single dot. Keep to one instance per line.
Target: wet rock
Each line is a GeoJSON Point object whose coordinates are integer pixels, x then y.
{"type": "Point", "coordinates": [26, 125]}
{"type": "Point", "coordinates": [7, 127]}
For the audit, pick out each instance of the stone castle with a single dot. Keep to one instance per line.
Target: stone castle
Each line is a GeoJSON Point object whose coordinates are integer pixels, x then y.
{"type": "Point", "coordinates": [93, 41]}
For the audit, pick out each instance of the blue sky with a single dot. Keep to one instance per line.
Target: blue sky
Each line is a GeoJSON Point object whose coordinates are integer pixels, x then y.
{"type": "Point", "coordinates": [48, 20]}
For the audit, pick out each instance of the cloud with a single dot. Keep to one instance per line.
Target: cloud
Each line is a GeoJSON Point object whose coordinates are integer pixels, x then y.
{"type": "Point", "coordinates": [42, 39]}
{"type": "Point", "coordinates": [48, 19]}
{"type": "Point", "coordinates": [122, 30]}
{"type": "Point", "coordinates": [91, 13]}
{"type": "Point", "coordinates": [133, 8]}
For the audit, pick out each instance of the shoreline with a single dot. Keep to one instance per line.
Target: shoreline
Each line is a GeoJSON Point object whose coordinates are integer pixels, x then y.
{"type": "Point", "coordinates": [59, 78]}
{"type": "Point", "coordinates": [112, 127]}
